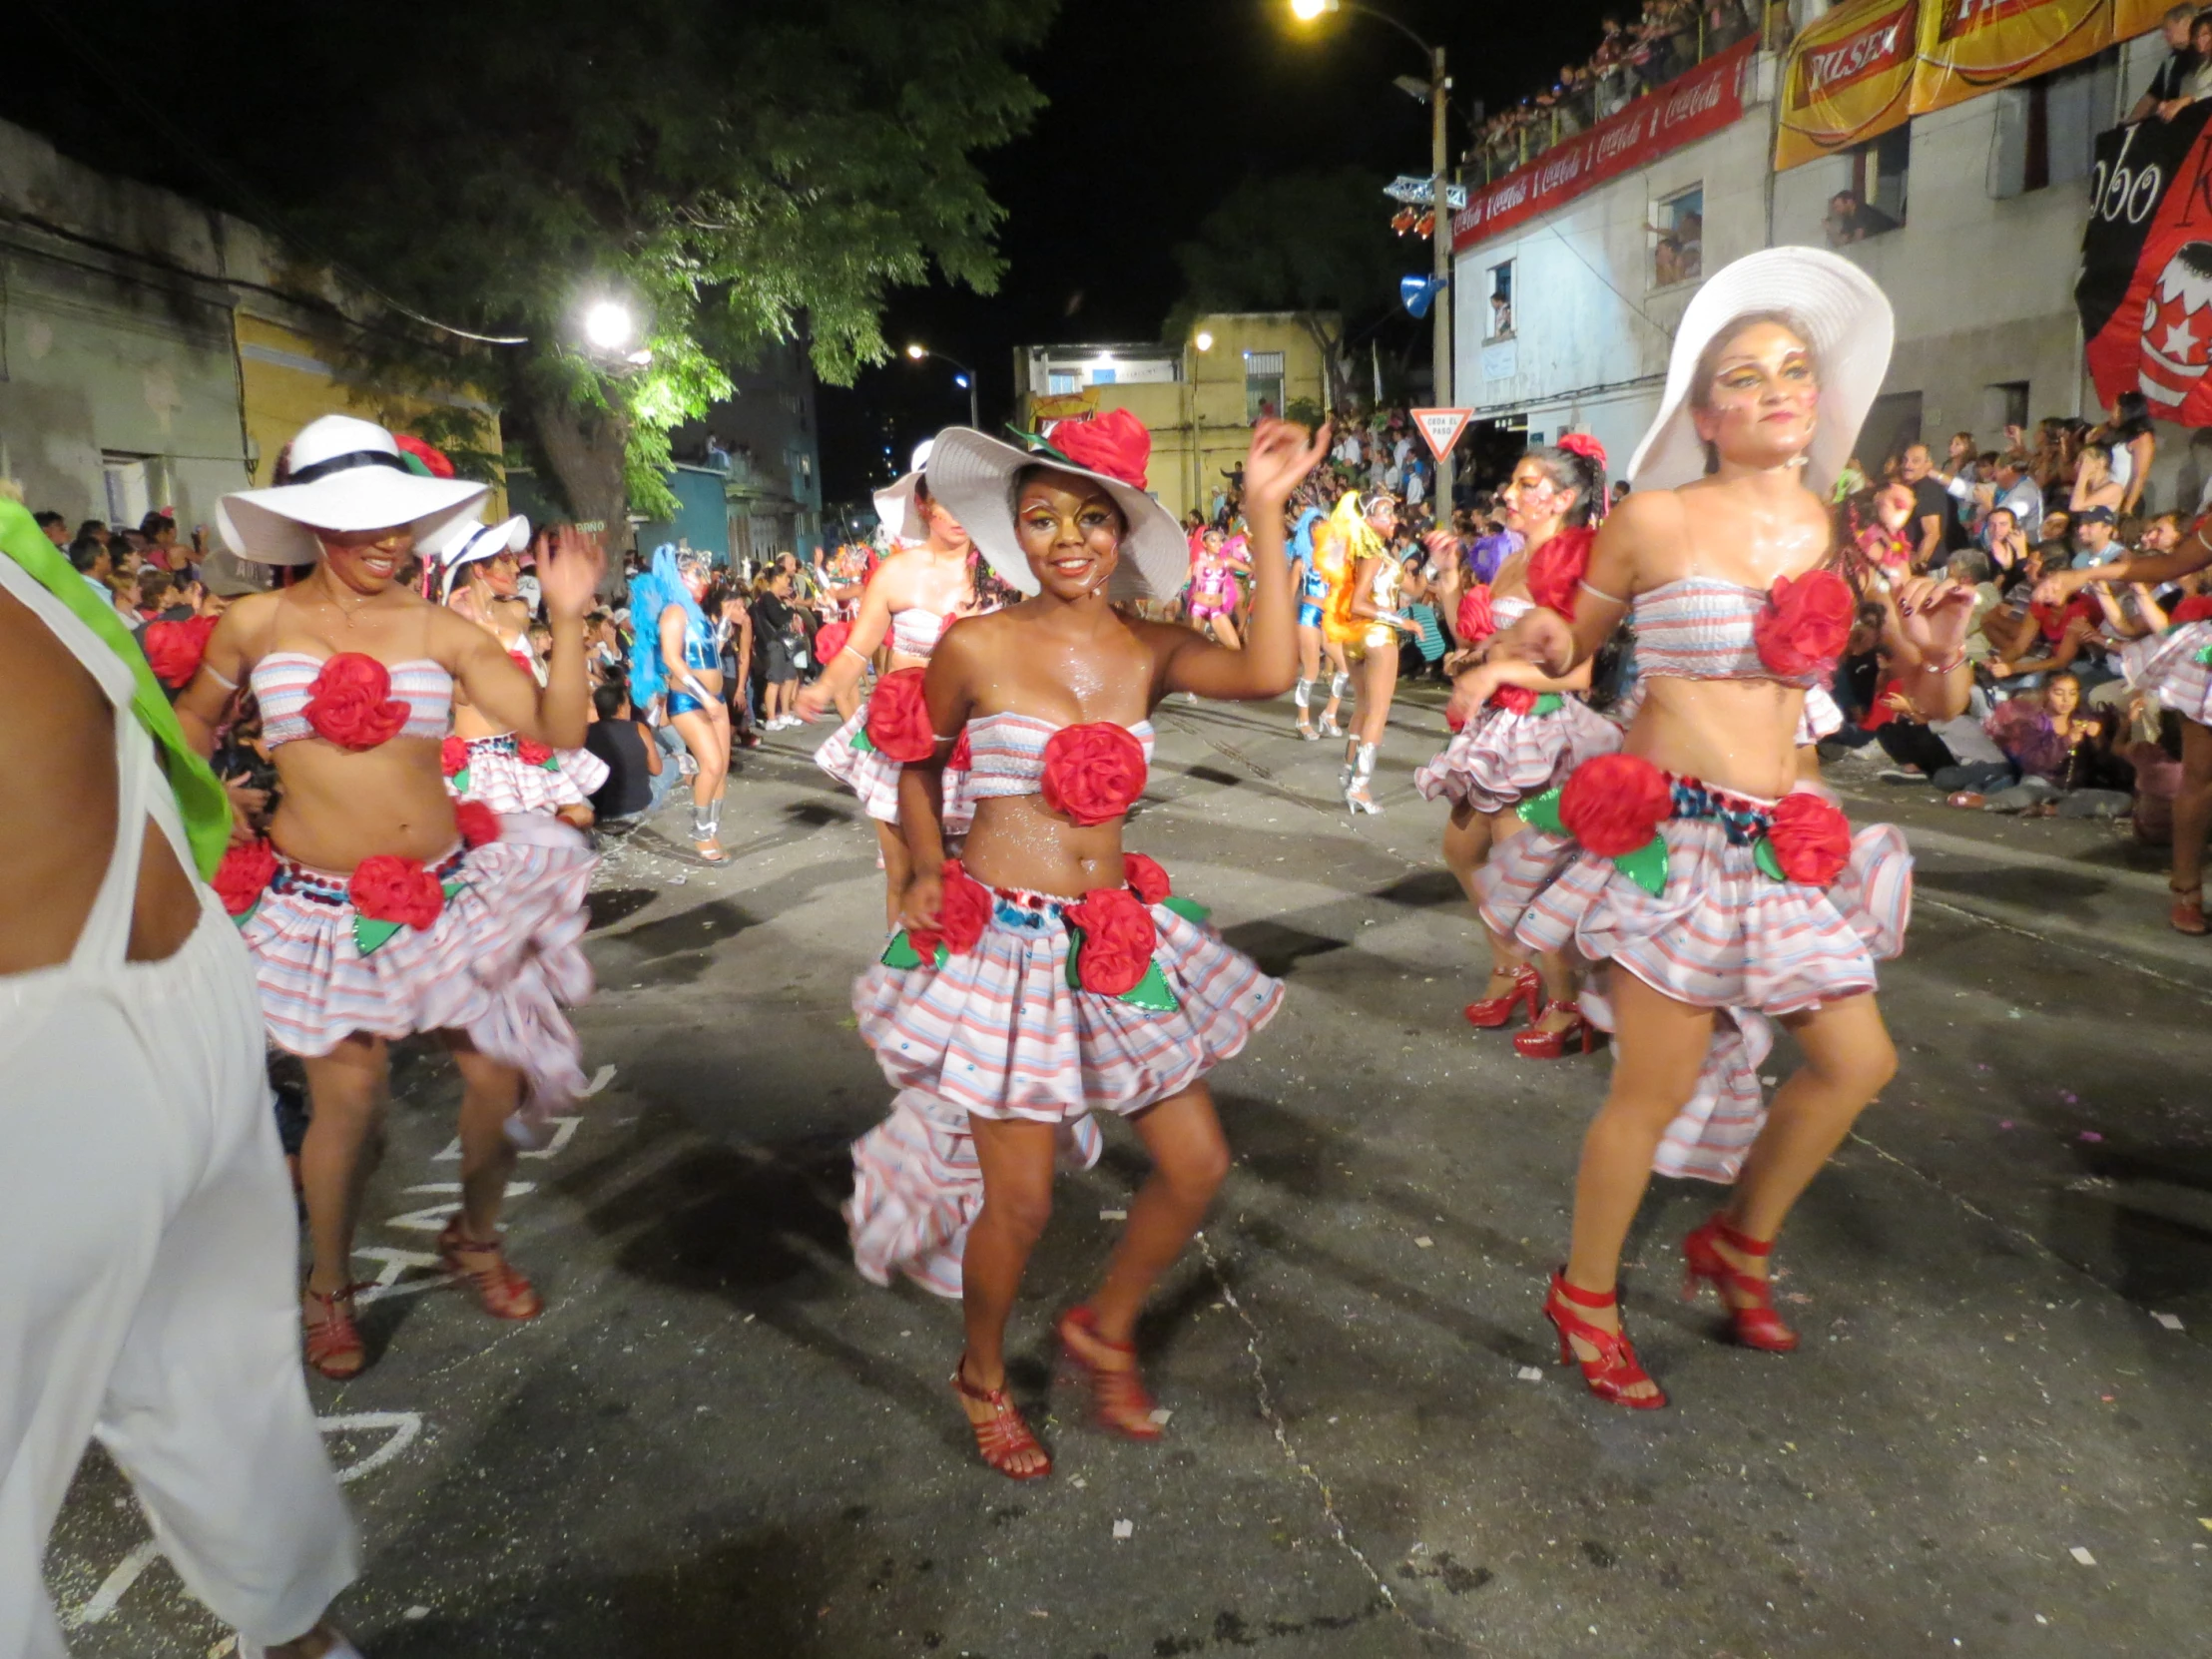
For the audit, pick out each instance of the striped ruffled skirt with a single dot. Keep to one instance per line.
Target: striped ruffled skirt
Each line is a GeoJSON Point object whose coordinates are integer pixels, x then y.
{"type": "Point", "coordinates": [1501, 758]}
{"type": "Point", "coordinates": [872, 775]}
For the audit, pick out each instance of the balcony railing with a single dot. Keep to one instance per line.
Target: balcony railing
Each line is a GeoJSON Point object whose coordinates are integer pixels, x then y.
{"type": "Point", "coordinates": [1522, 134]}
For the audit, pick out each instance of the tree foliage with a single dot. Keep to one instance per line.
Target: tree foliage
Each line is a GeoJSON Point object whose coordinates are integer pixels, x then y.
{"type": "Point", "coordinates": [1314, 243]}
{"type": "Point", "coordinates": [738, 171]}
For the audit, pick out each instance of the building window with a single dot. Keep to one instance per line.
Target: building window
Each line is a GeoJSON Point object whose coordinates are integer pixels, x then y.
{"type": "Point", "coordinates": [1061, 384]}
{"type": "Point", "coordinates": [1499, 324]}
{"type": "Point", "coordinates": [1873, 200]}
{"type": "Point", "coordinates": [128, 488]}
{"type": "Point", "coordinates": [1678, 251]}
{"type": "Point", "coordinates": [2047, 128]}
{"type": "Point", "coordinates": [1263, 385]}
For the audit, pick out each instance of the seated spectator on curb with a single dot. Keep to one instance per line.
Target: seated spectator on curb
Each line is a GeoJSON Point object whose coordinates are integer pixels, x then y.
{"type": "Point", "coordinates": [2062, 753]}
{"type": "Point", "coordinates": [2094, 541]}
{"type": "Point", "coordinates": [638, 780]}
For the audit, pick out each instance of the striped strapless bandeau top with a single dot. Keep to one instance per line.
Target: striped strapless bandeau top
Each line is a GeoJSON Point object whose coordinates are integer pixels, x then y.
{"type": "Point", "coordinates": [1008, 753]}
{"type": "Point", "coordinates": [1701, 628]}
{"type": "Point", "coordinates": [283, 683]}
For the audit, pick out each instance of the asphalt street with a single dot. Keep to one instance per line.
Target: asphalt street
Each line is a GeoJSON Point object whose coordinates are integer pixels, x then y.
{"type": "Point", "coordinates": [720, 1441]}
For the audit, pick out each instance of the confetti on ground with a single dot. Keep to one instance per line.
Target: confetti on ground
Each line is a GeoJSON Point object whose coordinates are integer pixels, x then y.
{"type": "Point", "coordinates": [2069, 1097]}
{"type": "Point", "coordinates": [1128, 1529]}
{"type": "Point", "coordinates": [2091, 1135]}
{"type": "Point", "coordinates": [2004, 1123]}
{"type": "Point", "coordinates": [599, 1080]}
{"type": "Point", "coordinates": [1113, 1215]}
{"type": "Point", "coordinates": [1531, 1374]}
{"type": "Point", "coordinates": [2172, 1321]}
{"type": "Point", "coordinates": [417, 1612]}
{"type": "Point", "coordinates": [2082, 1555]}
{"type": "Point", "coordinates": [1424, 1242]}
{"type": "Point", "coordinates": [1160, 1415]}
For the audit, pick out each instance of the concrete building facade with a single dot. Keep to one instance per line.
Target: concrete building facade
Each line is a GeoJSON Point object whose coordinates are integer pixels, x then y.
{"type": "Point", "coordinates": [1993, 194]}
{"type": "Point", "coordinates": [1199, 396]}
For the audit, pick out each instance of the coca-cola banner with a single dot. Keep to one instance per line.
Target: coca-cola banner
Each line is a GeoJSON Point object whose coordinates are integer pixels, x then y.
{"type": "Point", "coordinates": [2145, 292]}
{"type": "Point", "coordinates": [1689, 107]}
{"type": "Point", "coordinates": [1850, 76]}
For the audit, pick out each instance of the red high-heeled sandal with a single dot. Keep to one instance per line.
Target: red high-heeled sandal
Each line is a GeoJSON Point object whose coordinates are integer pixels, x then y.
{"type": "Point", "coordinates": [1494, 1011]}
{"type": "Point", "coordinates": [1004, 1435]}
{"type": "Point", "coordinates": [333, 1341]}
{"type": "Point", "coordinates": [504, 1292]}
{"type": "Point", "coordinates": [1756, 1323]}
{"type": "Point", "coordinates": [1118, 1400]}
{"type": "Point", "coordinates": [1615, 1370]}
{"type": "Point", "coordinates": [1539, 1044]}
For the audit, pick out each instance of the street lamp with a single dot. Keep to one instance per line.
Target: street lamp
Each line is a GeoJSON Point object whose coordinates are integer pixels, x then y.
{"type": "Point", "coordinates": [608, 325]}
{"type": "Point", "coordinates": [1438, 90]}
{"type": "Point", "coordinates": [966, 377]}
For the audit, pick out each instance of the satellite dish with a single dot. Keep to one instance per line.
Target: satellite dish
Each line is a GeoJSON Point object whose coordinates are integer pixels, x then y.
{"type": "Point", "coordinates": [1417, 294]}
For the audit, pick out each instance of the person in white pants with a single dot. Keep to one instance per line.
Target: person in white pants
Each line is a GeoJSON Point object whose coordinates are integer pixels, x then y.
{"type": "Point", "coordinates": [145, 1216]}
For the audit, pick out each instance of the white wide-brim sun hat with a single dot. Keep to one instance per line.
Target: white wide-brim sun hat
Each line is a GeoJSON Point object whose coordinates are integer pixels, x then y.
{"type": "Point", "coordinates": [1842, 314]}
{"type": "Point", "coordinates": [467, 542]}
{"type": "Point", "coordinates": [347, 475]}
{"type": "Point", "coordinates": [973, 475]}
{"type": "Point", "coordinates": [895, 504]}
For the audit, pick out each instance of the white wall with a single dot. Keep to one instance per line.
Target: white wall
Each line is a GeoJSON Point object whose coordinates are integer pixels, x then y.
{"type": "Point", "coordinates": [1983, 285]}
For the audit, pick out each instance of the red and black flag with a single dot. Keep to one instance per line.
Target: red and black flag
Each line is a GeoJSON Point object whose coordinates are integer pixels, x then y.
{"type": "Point", "coordinates": [2145, 292]}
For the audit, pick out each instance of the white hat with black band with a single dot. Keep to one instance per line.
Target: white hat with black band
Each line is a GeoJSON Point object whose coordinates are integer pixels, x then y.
{"type": "Point", "coordinates": [347, 475]}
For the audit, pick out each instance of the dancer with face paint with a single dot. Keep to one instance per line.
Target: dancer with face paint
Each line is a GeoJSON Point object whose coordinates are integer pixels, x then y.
{"type": "Point", "coordinates": [1519, 731]}
{"type": "Point", "coordinates": [1714, 890]}
{"type": "Point", "coordinates": [378, 908]}
{"type": "Point", "coordinates": [1046, 973]}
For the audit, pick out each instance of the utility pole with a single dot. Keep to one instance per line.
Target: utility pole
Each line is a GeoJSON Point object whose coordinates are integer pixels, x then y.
{"type": "Point", "coordinates": [1439, 88]}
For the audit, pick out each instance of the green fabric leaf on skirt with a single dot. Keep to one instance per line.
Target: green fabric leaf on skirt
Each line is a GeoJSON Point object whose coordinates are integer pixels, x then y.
{"type": "Point", "coordinates": [369, 936]}
{"type": "Point", "coordinates": [860, 743]}
{"type": "Point", "coordinates": [1075, 957]}
{"type": "Point", "coordinates": [249, 914]}
{"type": "Point", "coordinates": [1768, 861]}
{"type": "Point", "coordinates": [460, 781]}
{"type": "Point", "coordinates": [1190, 910]}
{"type": "Point", "coordinates": [1550, 703]}
{"type": "Point", "coordinates": [1542, 812]}
{"type": "Point", "coordinates": [2205, 656]}
{"type": "Point", "coordinates": [1152, 992]}
{"type": "Point", "coordinates": [1646, 867]}
{"type": "Point", "coordinates": [900, 952]}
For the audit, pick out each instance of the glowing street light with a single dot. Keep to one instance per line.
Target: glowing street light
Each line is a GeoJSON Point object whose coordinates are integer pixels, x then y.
{"type": "Point", "coordinates": [608, 325]}
{"type": "Point", "coordinates": [1205, 341]}
{"type": "Point", "coordinates": [1307, 10]}
{"type": "Point", "coordinates": [963, 376]}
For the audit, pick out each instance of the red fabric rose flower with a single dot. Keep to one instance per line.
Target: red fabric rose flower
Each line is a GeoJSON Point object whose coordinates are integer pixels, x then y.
{"type": "Point", "coordinates": [1614, 804]}
{"type": "Point", "coordinates": [2195, 608]}
{"type": "Point", "coordinates": [174, 649]}
{"type": "Point", "coordinates": [1092, 772]}
{"type": "Point", "coordinates": [532, 754]}
{"type": "Point", "coordinates": [453, 757]}
{"type": "Point", "coordinates": [477, 823]}
{"type": "Point", "coordinates": [1804, 624]}
{"type": "Point", "coordinates": [1516, 699]}
{"type": "Point", "coordinates": [961, 915]}
{"type": "Point", "coordinates": [350, 703]}
{"type": "Point", "coordinates": [387, 887]}
{"type": "Point", "coordinates": [1477, 621]}
{"type": "Point", "coordinates": [831, 641]}
{"type": "Point", "coordinates": [429, 460]}
{"type": "Point", "coordinates": [962, 757]}
{"type": "Point", "coordinates": [899, 719]}
{"type": "Point", "coordinates": [1556, 569]}
{"type": "Point", "coordinates": [1115, 443]}
{"type": "Point", "coordinates": [1811, 839]}
{"type": "Point", "coordinates": [244, 876]}
{"type": "Point", "coordinates": [1118, 940]}
{"type": "Point", "coordinates": [1144, 877]}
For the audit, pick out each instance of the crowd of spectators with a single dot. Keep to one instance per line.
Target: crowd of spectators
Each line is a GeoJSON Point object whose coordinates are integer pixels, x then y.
{"type": "Point", "coordinates": [1667, 38]}
{"type": "Point", "coordinates": [2052, 727]}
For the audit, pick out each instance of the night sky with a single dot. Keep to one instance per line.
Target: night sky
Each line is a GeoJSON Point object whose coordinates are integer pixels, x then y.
{"type": "Point", "coordinates": [1158, 108]}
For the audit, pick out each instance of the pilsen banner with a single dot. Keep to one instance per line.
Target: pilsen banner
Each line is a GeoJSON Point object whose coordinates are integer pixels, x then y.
{"type": "Point", "coordinates": [1868, 64]}
{"type": "Point", "coordinates": [1689, 107]}
{"type": "Point", "coordinates": [1850, 77]}
{"type": "Point", "coordinates": [2145, 292]}
{"type": "Point", "coordinates": [1969, 47]}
